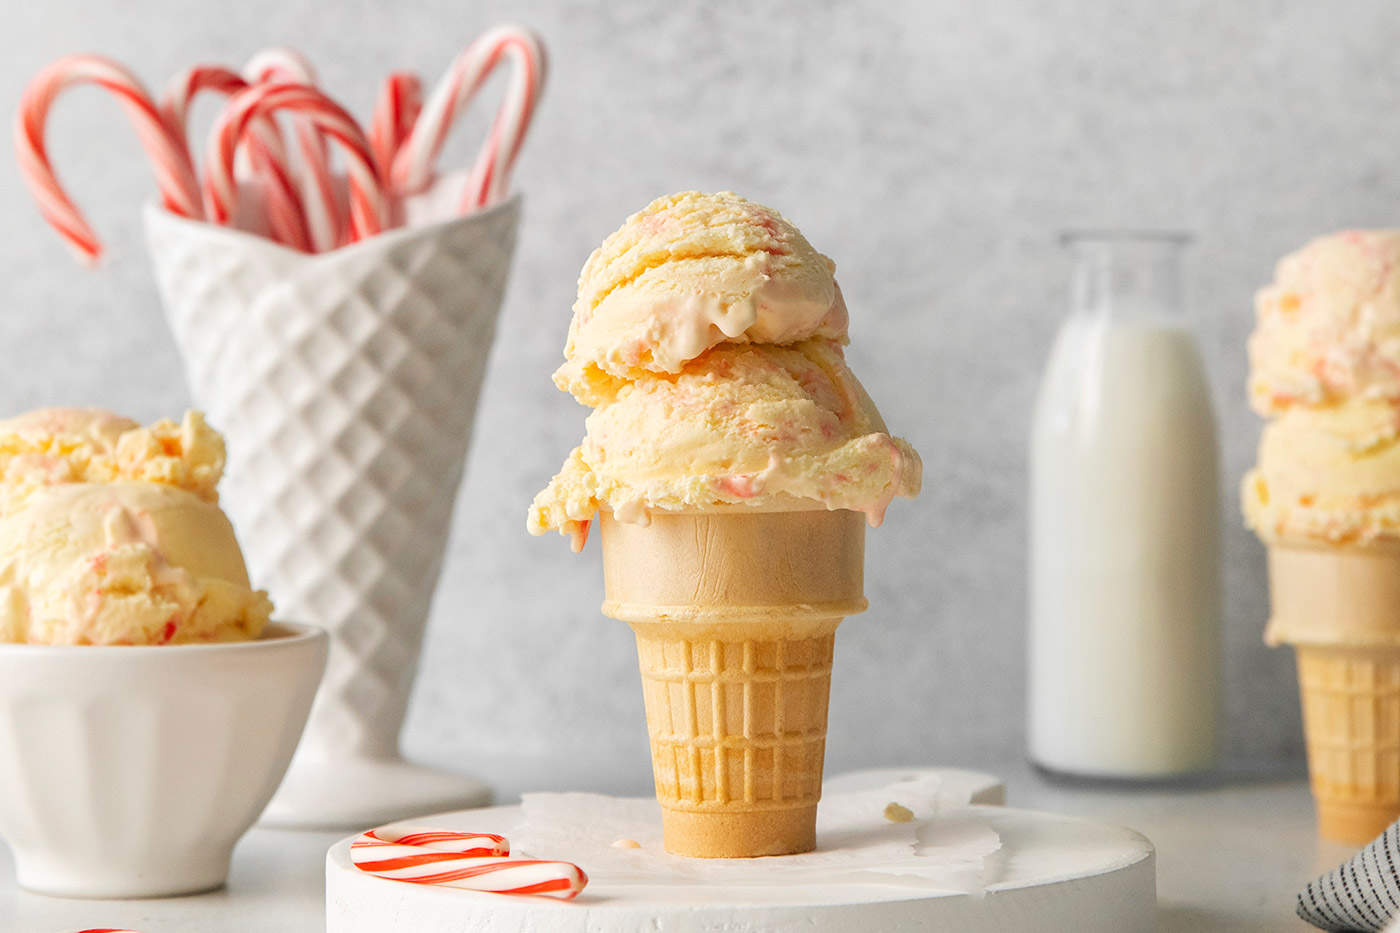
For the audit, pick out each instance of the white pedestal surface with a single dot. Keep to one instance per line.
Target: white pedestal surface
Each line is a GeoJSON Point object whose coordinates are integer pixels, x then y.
{"type": "Point", "coordinates": [1041, 872]}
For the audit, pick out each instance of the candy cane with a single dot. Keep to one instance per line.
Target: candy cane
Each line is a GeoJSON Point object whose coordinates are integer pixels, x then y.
{"type": "Point", "coordinates": [367, 208]}
{"type": "Point", "coordinates": [490, 177]}
{"type": "Point", "coordinates": [462, 860]}
{"type": "Point", "coordinates": [401, 855]}
{"type": "Point", "coordinates": [490, 174]}
{"type": "Point", "coordinates": [169, 157]}
{"type": "Point", "coordinates": [286, 217]}
{"type": "Point", "coordinates": [395, 112]}
{"type": "Point", "coordinates": [280, 64]}
{"type": "Point", "coordinates": [323, 215]}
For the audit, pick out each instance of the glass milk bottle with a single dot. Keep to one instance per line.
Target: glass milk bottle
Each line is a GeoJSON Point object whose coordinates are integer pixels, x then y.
{"type": "Point", "coordinates": [1125, 605]}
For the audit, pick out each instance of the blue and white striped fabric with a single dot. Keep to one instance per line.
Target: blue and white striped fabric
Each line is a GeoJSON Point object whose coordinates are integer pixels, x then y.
{"type": "Point", "coordinates": [1363, 894]}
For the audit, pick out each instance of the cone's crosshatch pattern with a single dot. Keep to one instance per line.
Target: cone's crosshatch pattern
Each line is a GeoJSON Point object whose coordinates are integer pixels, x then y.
{"type": "Point", "coordinates": [736, 719]}
{"type": "Point", "coordinates": [1351, 711]}
{"type": "Point", "coordinates": [346, 386]}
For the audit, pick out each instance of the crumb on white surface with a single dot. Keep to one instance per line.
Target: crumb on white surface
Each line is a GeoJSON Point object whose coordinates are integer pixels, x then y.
{"type": "Point", "coordinates": [626, 844]}
{"type": "Point", "coordinates": [897, 813]}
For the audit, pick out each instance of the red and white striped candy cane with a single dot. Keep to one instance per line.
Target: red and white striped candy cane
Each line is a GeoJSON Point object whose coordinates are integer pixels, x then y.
{"type": "Point", "coordinates": [490, 174]}
{"type": "Point", "coordinates": [266, 152]}
{"type": "Point", "coordinates": [461, 860]}
{"type": "Point", "coordinates": [322, 208]}
{"type": "Point", "coordinates": [280, 63]}
{"type": "Point", "coordinates": [170, 159]}
{"type": "Point", "coordinates": [396, 109]}
{"type": "Point", "coordinates": [423, 856]}
{"type": "Point", "coordinates": [490, 177]}
{"type": "Point", "coordinates": [367, 204]}
{"type": "Point", "coordinates": [431, 844]}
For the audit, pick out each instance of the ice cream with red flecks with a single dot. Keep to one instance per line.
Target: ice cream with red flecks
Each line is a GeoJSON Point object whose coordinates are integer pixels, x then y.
{"type": "Point", "coordinates": [1327, 328]}
{"type": "Point", "coordinates": [707, 337]}
{"type": "Point", "coordinates": [110, 534]}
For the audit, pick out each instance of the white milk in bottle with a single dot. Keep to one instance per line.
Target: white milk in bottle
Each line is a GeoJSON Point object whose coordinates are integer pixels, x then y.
{"type": "Point", "coordinates": [1125, 603]}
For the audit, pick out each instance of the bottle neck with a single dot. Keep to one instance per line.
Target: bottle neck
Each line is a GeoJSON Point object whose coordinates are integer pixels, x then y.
{"type": "Point", "coordinates": [1126, 277]}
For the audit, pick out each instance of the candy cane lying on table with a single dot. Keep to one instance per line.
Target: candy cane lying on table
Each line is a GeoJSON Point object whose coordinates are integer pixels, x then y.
{"type": "Point", "coordinates": [410, 850]}
{"type": "Point", "coordinates": [170, 159]}
{"type": "Point", "coordinates": [322, 208]}
{"type": "Point", "coordinates": [367, 203]}
{"type": "Point", "coordinates": [490, 174]}
{"type": "Point", "coordinates": [396, 110]}
{"type": "Point", "coordinates": [474, 862]}
{"type": "Point", "coordinates": [267, 155]}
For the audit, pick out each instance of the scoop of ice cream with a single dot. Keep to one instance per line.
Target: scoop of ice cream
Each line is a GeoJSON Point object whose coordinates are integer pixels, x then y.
{"type": "Point", "coordinates": [1328, 328]}
{"type": "Point", "coordinates": [748, 426]}
{"type": "Point", "coordinates": [93, 428]}
{"type": "Point", "coordinates": [124, 563]}
{"type": "Point", "coordinates": [85, 445]}
{"type": "Point", "coordinates": [1330, 474]}
{"type": "Point", "coordinates": [686, 273]}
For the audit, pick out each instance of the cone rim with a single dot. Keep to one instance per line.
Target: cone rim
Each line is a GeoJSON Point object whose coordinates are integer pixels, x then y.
{"type": "Point", "coordinates": [1381, 543]}
{"type": "Point", "coordinates": [765, 505]}
{"type": "Point", "coordinates": [683, 619]}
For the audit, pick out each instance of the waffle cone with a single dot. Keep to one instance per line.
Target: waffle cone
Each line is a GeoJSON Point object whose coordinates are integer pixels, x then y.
{"type": "Point", "coordinates": [735, 616]}
{"type": "Point", "coordinates": [1340, 609]}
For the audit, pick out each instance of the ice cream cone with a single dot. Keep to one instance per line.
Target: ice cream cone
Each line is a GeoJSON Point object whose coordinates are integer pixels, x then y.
{"type": "Point", "coordinates": [1340, 609]}
{"type": "Point", "coordinates": [735, 615]}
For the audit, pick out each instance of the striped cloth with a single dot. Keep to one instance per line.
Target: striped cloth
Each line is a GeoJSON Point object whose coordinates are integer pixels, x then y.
{"type": "Point", "coordinates": [1362, 894]}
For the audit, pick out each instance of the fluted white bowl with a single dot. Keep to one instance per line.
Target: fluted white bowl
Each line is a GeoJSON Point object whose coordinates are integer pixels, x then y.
{"type": "Point", "coordinates": [131, 771]}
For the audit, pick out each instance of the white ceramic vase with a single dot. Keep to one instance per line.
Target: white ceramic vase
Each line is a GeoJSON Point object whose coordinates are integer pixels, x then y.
{"type": "Point", "coordinates": [346, 385]}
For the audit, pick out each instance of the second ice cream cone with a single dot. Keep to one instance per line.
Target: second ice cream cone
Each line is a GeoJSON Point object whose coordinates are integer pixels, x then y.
{"type": "Point", "coordinates": [1340, 608]}
{"type": "Point", "coordinates": [735, 615]}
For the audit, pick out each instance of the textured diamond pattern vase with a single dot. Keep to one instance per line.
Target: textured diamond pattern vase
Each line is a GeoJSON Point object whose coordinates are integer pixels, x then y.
{"type": "Point", "coordinates": [346, 385]}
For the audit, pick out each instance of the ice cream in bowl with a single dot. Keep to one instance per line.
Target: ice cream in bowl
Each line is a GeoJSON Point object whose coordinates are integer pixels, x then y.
{"type": "Point", "coordinates": [732, 462]}
{"type": "Point", "coordinates": [148, 705]}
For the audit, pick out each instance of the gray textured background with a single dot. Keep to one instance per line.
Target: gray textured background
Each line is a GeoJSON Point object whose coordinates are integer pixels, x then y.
{"type": "Point", "coordinates": [933, 149]}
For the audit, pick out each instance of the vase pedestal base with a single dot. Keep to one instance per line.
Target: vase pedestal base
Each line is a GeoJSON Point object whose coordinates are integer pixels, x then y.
{"type": "Point", "coordinates": [358, 793]}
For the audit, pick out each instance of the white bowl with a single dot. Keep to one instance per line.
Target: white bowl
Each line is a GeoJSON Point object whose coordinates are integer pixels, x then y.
{"type": "Point", "coordinates": [132, 771]}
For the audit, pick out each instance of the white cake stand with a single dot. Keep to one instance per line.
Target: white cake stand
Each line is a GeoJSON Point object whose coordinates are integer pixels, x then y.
{"type": "Point", "coordinates": [1053, 874]}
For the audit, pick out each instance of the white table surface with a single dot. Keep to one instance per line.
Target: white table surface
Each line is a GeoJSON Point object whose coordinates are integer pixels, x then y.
{"type": "Point", "coordinates": [1231, 857]}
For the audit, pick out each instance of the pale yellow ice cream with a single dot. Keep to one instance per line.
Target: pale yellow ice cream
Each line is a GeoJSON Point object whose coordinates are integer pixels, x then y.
{"type": "Point", "coordinates": [686, 273]}
{"type": "Point", "coordinates": [86, 445]}
{"type": "Point", "coordinates": [1330, 474]}
{"type": "Point", "coordinates": [1325, 365]}
{"type": "Point", "coordinates": [1328, 328]}
{"type": "Point", "coordinates": [740, 425]}
{"type": "Point", "coordinates": [707, 337]}
{"type": "Point", "coordinates": [124, 563]}
{"type": "Point", "coordinates": [110, 533]}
